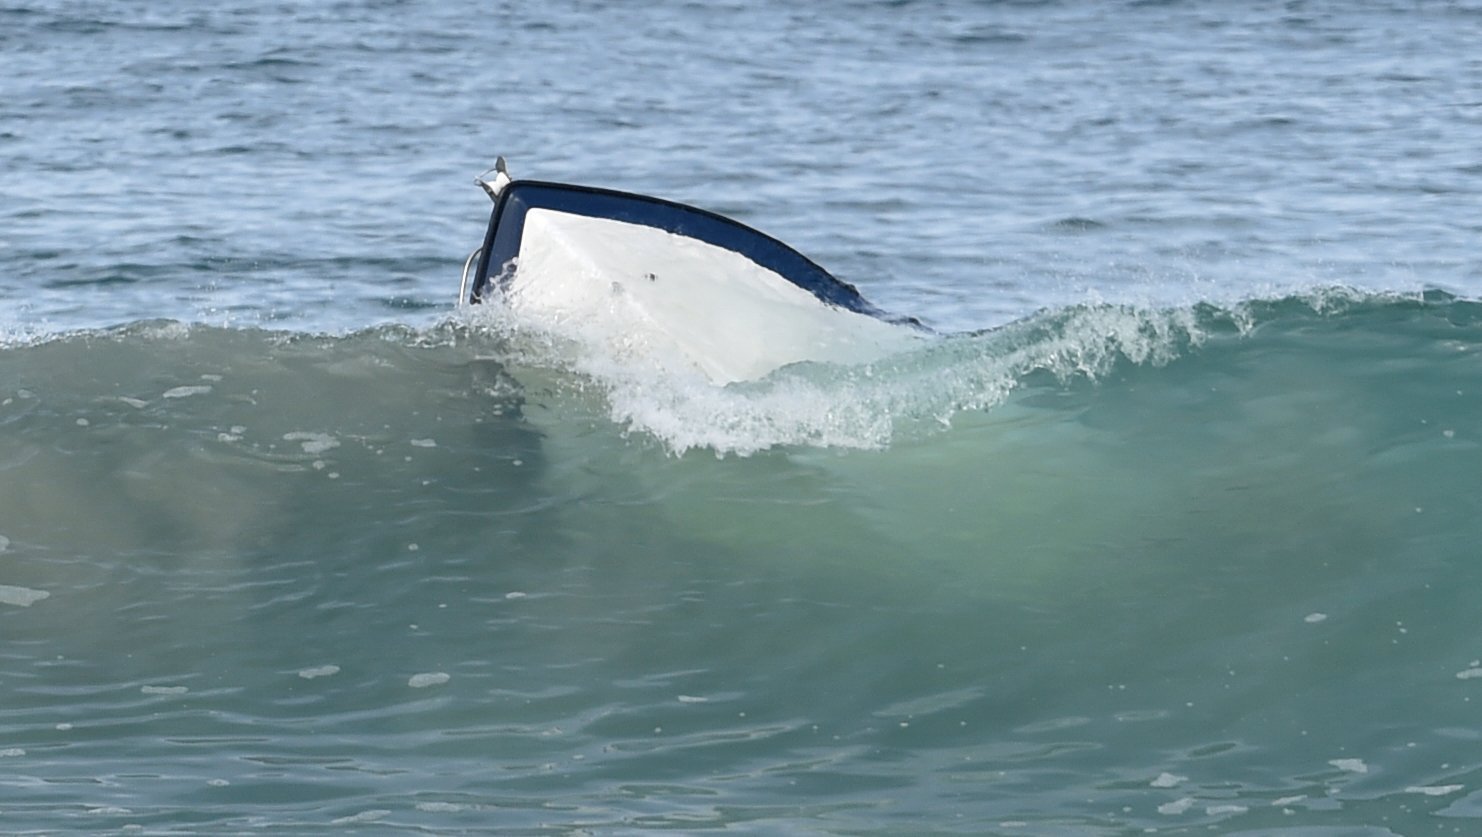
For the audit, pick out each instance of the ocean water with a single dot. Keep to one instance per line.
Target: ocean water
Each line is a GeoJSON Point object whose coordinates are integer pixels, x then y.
{"type": "Point", "coordinates": [1172, 528]}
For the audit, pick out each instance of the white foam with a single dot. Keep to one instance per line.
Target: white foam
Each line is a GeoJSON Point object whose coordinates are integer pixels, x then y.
{"type": "Point", "coordinates": [4, 543]}
{"type": "Point", "coordinates": [164, 690]}
{"type": "Point", "coordinates": [440, 807]}
{"type": "Point", "coordinates": [186, 391]}
{"type": "Point", "coordinates": [319, 671]}
{"type": "Point", "coordinates": [173, 330]}
{"type": "Point", "coordinates": [1468, 674]}
{"type": "Point", "coordinates": [1216, 810]}
{"type": "Point", "coordinates": [1176, 807]}
{"type": "Point", "coordinates": [1314, 618]}
{"type": "Point", "coordinates": [422, 681]}
{"type": "Point", "coordinates": [1434, 790]}
{"type": "Point", "coordinates": [312, 443]}
{"type": "Point", "coordinates": [1168, 780]}
{"type": "Point", "coordinates": [20, 596]}
{"type": "Point", "coordinates": [1350, 765]}
{"type": "Point", "coordinates": [692, 699]}
{"type": "Point", "coordinates": [12, 753]}
{"type": "Point", "coordinates": [424, 443]}
{"type": "Point", "coordinates": [863, 402]}
{"type": "Point", "coordinates": [364, 816]}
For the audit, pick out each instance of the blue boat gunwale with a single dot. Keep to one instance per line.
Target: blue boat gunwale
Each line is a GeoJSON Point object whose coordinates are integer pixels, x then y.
{"type": "Point", "coordinates": [518, 197]}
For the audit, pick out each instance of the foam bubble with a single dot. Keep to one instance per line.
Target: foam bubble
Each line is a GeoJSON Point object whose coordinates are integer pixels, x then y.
{"type": "Point", "coordinates": [364, 816]}
{"type": "Point", "coordinates": [20, 596]}
{"type": "Point", "coordinates": [312, 443]}
{"type": "Point", "coordinates": [1314, 618]}
{"type": "Point", "coordinates": [172, 330]}
{"type": "Point", "coordinates": [424, 443]}
{"type": "Point", "coordinates": [1434, 790]}
{"type": "Point", "coordinates": [1215, 810]}
{"type": "Point", "coordinates": [422, 681]}
{"type": "Point", "coordinates": [1176, 807]}
{"type": "Point", "coordinates": [1350, 765]}
{"type": "Point", "coordinates": [186, 391]}
{"type": "Point", "coordinates": [164, 690]}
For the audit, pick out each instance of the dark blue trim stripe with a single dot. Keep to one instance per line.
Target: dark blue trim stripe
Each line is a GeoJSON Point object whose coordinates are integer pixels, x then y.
{"type": "Point", "coordinates": [507, 226]}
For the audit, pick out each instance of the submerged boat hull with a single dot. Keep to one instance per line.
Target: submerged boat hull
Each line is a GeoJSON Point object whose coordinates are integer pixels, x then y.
{"type": "Point", "coordinates": [666, 280]}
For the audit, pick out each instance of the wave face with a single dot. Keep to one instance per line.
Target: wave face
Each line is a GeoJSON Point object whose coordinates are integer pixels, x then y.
{"type": "Point", "coordinates": [1103, 569]}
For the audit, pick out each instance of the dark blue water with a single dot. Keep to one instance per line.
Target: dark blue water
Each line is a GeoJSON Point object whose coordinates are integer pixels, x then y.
{"type": "Point", "coordinates": [1175, 531]}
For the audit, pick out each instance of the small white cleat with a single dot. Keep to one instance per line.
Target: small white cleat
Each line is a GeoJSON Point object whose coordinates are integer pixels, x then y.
{"type": "Point", "coordinates": [496, 184]}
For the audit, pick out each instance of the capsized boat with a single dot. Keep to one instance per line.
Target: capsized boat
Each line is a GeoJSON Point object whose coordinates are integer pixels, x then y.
{"type": "Point", "coordinates": [681, 282]}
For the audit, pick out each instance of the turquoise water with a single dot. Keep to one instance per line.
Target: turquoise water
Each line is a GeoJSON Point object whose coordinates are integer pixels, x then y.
{"type": "Point", "coordinates": [405, 577]}
{"type": "Point", "coordinates": [1172, 529]}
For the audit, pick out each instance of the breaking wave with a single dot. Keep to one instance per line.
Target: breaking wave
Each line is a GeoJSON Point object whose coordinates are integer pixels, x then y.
{"type": "Point", "coordinates": [190, 375]}
{"type": "Point", "coordinates": [922, 392]}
